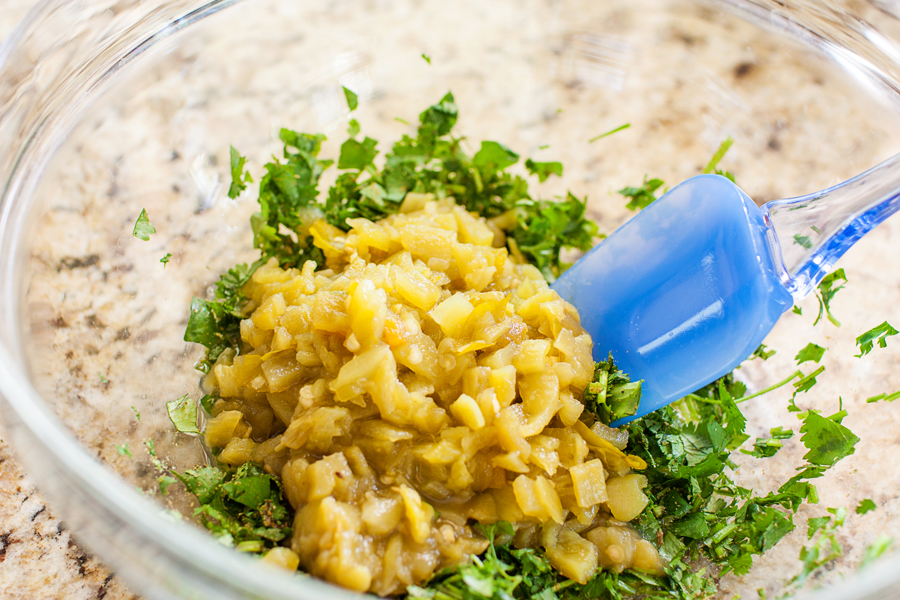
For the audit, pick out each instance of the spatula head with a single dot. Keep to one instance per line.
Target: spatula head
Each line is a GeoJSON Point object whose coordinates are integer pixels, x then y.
{"type": "Point", "coordinates": [683, 292]}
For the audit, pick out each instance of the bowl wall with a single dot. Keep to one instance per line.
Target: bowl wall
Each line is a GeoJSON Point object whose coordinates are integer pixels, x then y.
{"type": "Point", "coordinates": [93, 320]}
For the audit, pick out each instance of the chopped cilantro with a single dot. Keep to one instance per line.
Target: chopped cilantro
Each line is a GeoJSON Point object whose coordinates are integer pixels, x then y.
{"type": "Point", "coordinates": [164, 481]}
{"type": "Point", "coordinates": [239, 177]}
{"type": "Point", "coordinates": [245, 505]}
{"type": "Point", "coordinates": [865, 506]}
{"type": "Point", "coordinates": [767, 447]}
{"type": "Point", "coordinates": [807, 381]}
{"type": "Point", "coordinates": [426, 58]}
{"type": "Point", "coordinates": [884, 396]}
{"type": "Point", "coordinates": [544, 169]}
{"type": "Point", "coordinates": [717, 158]}
{"type": "Point", "coordinates": [216, 323]}
{"type": "Point", "coordinates": [103, 379]}
{"type": "Point", "coordinates": [124, 450]}
{"type": "Point", "coordinates": [143, 228]}
{"type": "Point", "coordinates": [763, 352]}
{"type": "Point", "coordinates": [809, 352]}
{"type": "Point", "coordinates": [876, 334]}
{"type": "Point", "coordinates": [802, 240]}
{"type": "Point", "coordinates": [506, 573]}
{"type": "Point", "coordinates": [796, 310]}
{"type": "Point", "coordinates": [207, 402]}
{"type": "Point", "coordinates": [137, 415]}
{"type": "Point", "coordinates": [611, 395]}
{"type": "Point", "coordinates": [826, 291]}
{"type": "Point", "coordinates": [642, 197]}
{"type": "Point", "coordinates": [165, 259]}
{"type": "Point", "coordinates": [826, 439]}
{"type": "Point", "coordinates": [824, 549]}
{"type": "Point", "coordinates": [352, 127]}
{"type": "Point", "coordinates": [352, 99]}
{"type": "Point", "coordinates": [183, 414]}
{"type": "Point", "coordinates": [873, 551]}
{"type": "Point", "coordinates": [610, 132]}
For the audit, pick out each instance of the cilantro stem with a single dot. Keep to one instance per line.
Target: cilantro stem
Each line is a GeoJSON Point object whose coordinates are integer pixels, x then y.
{"type": "Point", "coordinates": [720, 153]}
{"type": "Point", "coordinates": [785, 381]}
{"type": "Point", "coordinates": [723, 533]}
{"type": "Point", "coordinates": [610, 132]}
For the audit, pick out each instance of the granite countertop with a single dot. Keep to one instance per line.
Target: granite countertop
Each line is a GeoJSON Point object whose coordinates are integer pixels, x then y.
{"type": "Point", "coordinates": [38, 556]}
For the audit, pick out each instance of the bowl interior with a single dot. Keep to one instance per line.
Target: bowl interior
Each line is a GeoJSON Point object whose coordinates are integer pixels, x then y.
{"type": "Point", "coordinates": [103, 317]}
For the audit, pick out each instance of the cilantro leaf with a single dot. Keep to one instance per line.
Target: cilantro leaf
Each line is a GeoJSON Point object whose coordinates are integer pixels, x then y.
{"type": "Point", "coordinates": [426, 58]}
{"type": "Point", "coordinates": [642, 197]}
{"type": "Point", "coordinates": [239, 177]}
{"type": "Point", "coordinates": [357, 155]}
{"type": "Point", "coordinates": [165, 259]}
{"type": "Point", "coordinates": [183, 414]}
{"type": "Point", "coordinates": [878, 334]}
{"type": "Point", "coordinates": [544, 169]}
{"type": "Point", "coordinates": [352, 99]}
{"type": "Point", "coordinates": [865, 506]}
{"type": "Point", "coordinates": [802, 240]}
{"type": "Point", "coordinates": [809, 352]}
{"type": "Point", "coordinates": [494, 156]}
{"type": "Point", "coordinates": [826, 440]}
{"type": "Point", "coordinates": [143, 228]}
{"type": "Point", "coordinates": [124, 450]}
{"type": "Point", "coordinates": [825, 292]}
{"type": "Point", "coordinates": [437, 120]}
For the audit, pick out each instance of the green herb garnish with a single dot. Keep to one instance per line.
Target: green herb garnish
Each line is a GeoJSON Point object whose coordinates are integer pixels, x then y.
{"type": "Point", "coordinates": [244, 505]}
{"type": "Point", "coordinates": [239, 177]}
{"type": "Point", "coordinates": [873, 551]}
{"type": "Point", "coordinates": [610, 132]}
{"type": "Point", "coordinates": [711, 166]}
{"type": "Point", "coordinates": [812, 352]}
{"type": "Point", "coordinates": [352, 99]}
{"type": "Point", "coordinates": [183, 414]}
{"type": "Point", "coordinates": [865, 506]}
{"type": "Point", "coordinates": [825, 291]}
{"type": "Point", "coordinates": [641, 197]}
{"type": "Point", "coordinates": [876, 334]}
{"type": "Point", "coordinates": [143, 228]}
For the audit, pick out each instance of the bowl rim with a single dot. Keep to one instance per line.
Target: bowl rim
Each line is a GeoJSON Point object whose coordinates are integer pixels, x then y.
{"type": "Point", "coordinates": [28, 416]}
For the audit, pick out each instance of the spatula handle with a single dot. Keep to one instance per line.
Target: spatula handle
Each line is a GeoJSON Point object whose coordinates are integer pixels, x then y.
{"type": "Point", "coordinates": [809, 233]}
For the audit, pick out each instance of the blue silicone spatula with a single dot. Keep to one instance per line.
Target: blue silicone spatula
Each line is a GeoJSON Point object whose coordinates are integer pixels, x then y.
{"type": "Point", "coordinates": [688, 288]}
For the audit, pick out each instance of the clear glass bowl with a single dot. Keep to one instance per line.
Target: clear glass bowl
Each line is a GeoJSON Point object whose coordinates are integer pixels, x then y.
{"type": "Point", "coordinates": [107, 108]}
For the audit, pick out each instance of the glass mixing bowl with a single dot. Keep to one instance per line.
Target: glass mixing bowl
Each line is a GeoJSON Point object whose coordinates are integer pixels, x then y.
{"type": "Point", "coordinates": [108, 108]}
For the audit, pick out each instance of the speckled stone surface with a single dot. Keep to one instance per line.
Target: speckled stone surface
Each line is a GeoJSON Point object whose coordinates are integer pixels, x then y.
{"type": "Point", "coordinates": [39, 558]}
